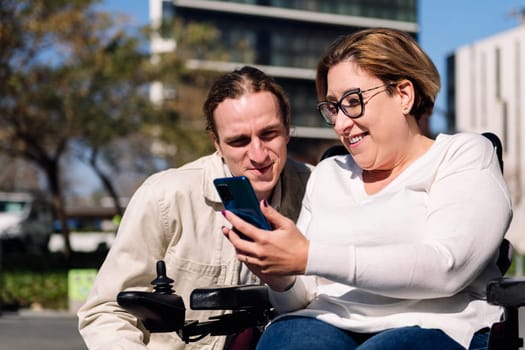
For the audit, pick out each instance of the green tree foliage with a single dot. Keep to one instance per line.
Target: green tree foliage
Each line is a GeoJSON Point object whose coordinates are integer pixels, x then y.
{"type": "Point", "coordinates": [69, 76]}
{"type": "Point", "coordinates": [28, 98]}
{"type": "Point", "coordinates": [75, 81]}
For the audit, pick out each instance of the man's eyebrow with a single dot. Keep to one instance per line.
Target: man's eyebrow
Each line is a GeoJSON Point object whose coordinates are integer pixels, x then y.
{"type": "Point", "coordinates": [269, 128]}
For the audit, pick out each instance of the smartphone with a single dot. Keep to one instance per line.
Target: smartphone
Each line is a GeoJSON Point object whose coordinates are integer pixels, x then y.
{"type": "Point", "coordinates": [238, 196]}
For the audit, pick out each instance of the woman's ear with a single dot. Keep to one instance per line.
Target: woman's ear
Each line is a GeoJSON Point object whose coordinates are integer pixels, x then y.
{"type": "Point", "coordinates": [406, 94]}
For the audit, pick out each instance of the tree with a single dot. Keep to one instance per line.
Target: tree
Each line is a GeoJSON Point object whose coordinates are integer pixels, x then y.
{"type": "Point", "coordinates": [68, 76]}
{"type": "Point", "coordinates": [34, 124]}
{"type": "Point", "coordinates": [75, 81]}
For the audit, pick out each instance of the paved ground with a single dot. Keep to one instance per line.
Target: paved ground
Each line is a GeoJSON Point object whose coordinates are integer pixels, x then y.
{"type": "Point", "coordinates": [42, 330]}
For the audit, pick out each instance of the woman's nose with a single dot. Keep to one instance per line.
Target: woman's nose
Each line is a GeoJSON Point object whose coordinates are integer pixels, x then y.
{"type": "Point", "coordinates": [342, 123]}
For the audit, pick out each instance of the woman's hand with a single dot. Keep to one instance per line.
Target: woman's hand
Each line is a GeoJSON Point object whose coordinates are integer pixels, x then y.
{"type": "Point", "coordinates": [271, 255]}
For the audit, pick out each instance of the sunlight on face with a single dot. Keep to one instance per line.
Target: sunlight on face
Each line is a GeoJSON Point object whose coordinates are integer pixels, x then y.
{"type": "Point", "coordinates": [375, 138]}
{"type": "Point", "coordinates": [252, 139]}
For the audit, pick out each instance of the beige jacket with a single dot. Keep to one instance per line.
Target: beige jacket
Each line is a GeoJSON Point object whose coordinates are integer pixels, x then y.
{"type": "Point", "coordinates": [175, 216]}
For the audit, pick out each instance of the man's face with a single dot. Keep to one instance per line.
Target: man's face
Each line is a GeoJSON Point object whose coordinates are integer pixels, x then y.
{"type": "Point", "coordinates": [252, 139]}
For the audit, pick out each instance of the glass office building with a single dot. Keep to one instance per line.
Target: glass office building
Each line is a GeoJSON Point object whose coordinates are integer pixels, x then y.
{"type": "Point", "coordinates": [285, 38]}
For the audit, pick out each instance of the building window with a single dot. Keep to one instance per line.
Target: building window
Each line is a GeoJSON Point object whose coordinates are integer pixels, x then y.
{"type": "Point", "coordinates": [168, 15]}
{"type": "Point", "coordinates": [401, 10]}
{"type": "Point", "coordinates": [497, 71]}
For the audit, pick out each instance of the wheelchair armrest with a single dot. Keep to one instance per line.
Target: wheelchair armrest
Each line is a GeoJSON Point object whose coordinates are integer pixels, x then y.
{"type": "Point", "coordinates": [230, 298]}
{"type": "Point", "coordinates": [506, 291]}
{"type": "Point", "coordinates": [158, 312]}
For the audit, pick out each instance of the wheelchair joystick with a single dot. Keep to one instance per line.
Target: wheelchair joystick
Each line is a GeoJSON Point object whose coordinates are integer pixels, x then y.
{"type": "Point", "coordinates": [161, 310]}
{"type": "Point", "coordinates": [162, 284]}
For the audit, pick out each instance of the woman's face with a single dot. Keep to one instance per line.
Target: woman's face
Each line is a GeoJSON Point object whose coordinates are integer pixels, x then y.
{"type": "Point", "coordinates": [377, 140]}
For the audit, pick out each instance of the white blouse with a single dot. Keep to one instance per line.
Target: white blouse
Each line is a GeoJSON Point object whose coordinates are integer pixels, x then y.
{"type": "Point", "coordinates": [419, 252]}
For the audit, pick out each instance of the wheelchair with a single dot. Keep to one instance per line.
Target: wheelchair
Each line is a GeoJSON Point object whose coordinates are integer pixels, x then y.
{"type": "Point", "coordinates": [249, 307]}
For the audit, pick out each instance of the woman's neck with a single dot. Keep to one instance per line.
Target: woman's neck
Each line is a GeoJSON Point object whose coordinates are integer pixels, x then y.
{"type": "Point", "coordinates": [377, 179]}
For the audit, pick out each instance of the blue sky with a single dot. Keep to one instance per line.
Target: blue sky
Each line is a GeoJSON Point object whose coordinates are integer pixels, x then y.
{"type": "Point", "coordinates": [445, 25]}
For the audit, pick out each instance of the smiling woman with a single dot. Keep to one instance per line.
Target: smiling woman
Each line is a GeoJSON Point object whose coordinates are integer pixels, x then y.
{"type": "Point", "coordinates": [379, 127]}
{"type": "Point", "coordinates": [399, 198]}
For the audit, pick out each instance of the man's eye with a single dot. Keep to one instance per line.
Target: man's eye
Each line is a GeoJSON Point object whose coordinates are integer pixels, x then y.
{"type": "Point", "coordinates": [239, 142]}
{"type": "Point", "coordinates": [270, 135]}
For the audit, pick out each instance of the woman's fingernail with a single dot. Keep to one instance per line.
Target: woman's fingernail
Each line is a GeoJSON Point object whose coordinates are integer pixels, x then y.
{"type": "Point", "coordinates": [223, 212]}
{"type": "Point", "coordinates": [265, 203]}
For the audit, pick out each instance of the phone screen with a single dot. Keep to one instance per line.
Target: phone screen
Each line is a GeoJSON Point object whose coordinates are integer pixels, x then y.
{"type": "Point", "coordinates": [238, 196]}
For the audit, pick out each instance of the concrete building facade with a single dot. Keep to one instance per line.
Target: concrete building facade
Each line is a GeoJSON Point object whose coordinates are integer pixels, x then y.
{"type": "Point", "coordinates": [487, 93]}
{"type": "Point", "coordinates": [284, 38]}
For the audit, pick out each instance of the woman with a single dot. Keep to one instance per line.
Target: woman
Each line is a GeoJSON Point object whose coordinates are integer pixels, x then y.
{"type": "Point", "coordinates": [396, 241]}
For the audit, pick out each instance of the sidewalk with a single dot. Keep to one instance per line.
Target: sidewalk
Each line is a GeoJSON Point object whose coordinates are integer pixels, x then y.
{"type": "Point", "coordinates": [42, 330]}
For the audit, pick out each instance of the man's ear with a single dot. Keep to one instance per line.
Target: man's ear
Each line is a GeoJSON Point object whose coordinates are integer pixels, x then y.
{"type": "Point", "coordinates": [406, 93]}
{"type": "Point", "coordinates": [216, 142]}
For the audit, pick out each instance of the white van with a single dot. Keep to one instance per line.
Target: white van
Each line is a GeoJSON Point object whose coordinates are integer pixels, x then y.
{"type": "Point", "coordinates": [26, 221]}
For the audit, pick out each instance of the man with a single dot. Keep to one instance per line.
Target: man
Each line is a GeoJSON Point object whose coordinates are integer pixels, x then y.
{"type": "Point", "coordinates": [175, 215]}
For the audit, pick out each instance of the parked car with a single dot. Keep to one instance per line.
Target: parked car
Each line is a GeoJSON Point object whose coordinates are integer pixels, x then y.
{"type": "Point", "coordinates": [26, 221]}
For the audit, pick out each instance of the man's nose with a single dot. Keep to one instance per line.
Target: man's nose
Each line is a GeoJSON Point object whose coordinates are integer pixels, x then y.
{"type": "Point", "coordinates": [257, 151]}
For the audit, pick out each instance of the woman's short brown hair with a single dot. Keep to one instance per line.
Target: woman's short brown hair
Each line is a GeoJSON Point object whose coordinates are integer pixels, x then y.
{"type": "Point", "coordinates": [389, 54]}
{"type": "Point", "coordinates": [239, 82]}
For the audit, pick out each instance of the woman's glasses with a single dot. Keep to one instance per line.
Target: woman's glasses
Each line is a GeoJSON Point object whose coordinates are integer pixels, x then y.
{"type": "Point", "coordinates": [351, 103]}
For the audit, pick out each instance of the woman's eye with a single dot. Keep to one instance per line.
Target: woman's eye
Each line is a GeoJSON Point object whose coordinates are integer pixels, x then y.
{"type": "Point", "coordinates": [351, 102]}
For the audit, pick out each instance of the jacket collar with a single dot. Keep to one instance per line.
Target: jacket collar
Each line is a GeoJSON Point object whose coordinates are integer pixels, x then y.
{"type": "Point", "coordinates": [213, 169]}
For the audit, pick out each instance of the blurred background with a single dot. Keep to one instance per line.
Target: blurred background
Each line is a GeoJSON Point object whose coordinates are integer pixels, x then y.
{"type": "Point", "coordinates": [97, 95]}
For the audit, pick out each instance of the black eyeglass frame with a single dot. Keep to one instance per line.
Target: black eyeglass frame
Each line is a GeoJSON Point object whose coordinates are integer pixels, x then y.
{"type": "Point", "coordinates": [338, 105]}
